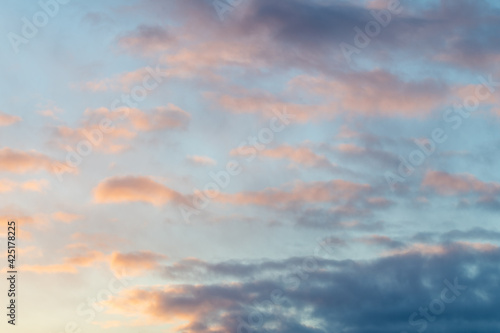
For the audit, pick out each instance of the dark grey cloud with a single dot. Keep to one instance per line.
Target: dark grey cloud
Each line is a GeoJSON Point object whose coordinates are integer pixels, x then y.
{"type": "Point", "coordinates": [477, 233]}
{"type": "Point", "coordinates": [307, 34]}
{"type": "Point", "coordinates": [375, 296]}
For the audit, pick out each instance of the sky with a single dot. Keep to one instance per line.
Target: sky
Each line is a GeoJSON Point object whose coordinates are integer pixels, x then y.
{"type": "Point", "coordinates": [199, 166]}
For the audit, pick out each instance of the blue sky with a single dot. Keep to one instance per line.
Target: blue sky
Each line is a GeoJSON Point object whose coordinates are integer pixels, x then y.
{"type": "Point", "coordinates": [310, 120]}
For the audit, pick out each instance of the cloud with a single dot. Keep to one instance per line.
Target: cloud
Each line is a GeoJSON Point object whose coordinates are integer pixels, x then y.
{"type": "Point", "coordinates": [35, 185]}
{"type": "Point", "coordinates": [135, 263]}
{"type": "Point", "coordinates": [161, 118]}
{"type": "Point", "coordinates": [193, 269]}
{"type": "Point", "coordinates": [367, 154]}
{"type": "Point", "coordinates": [306, 35]}
{"type": "Point", "coordinates": [51, 113]}
{"type": "Point", "coordinates": [17, 161]}
{"type": "Point", "coordinates": [301, 155]}
{"type": "Point", "coordinates": [111, 131]}
{"type": "Point", "coordinates": [201, 160]}
{"type": "Point", "coordinates": [379, 240]}
{"type": "Point", "coordinates": [134, 189]}
{"type": "Point", "coordinates": [265, 104]}
{"type": "Point", "coordinates": [103, 241]}
{"type": "Point", "coordinates": [122, 264]}
{"type": "Point", "coordinates": [125, 82]}
{"type": "Point", "coordinates": [66, 217]}
{"type": "Point", "coordinates": [70, 264]}
{"type": "Point", "coordinates": [9, 213]}
{"type": "Point", "coordinates": [477, 233]}
{"type": "Point", "coordinates": [315, 192]}
{"type": "Point", "coordinates": [6, 185]}
{"type": "Point", "coordinates": [7, 119]}
{"type": "Point", "coordinates": [356, 215]}
{"type": "Point", "coordinates": [439, 249]}
{"type": "Point", "coordinates": [448, 184]}
{"type": "Point", "coordinates": [49, 269]}
{"type": "Point", "coordinates": [377, 93]}
{"type": "Point", "coordinates": [85, 259]}
{"type": "Point", "coordinates": [148, 39]}
{"type": "Point", "coordinates": [101, 127]}
{"type": "Point", "coordinates": [363, 296]}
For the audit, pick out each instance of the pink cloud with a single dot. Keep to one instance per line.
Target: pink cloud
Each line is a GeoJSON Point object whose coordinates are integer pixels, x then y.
{"type": "Point", "coordinates": [317, 192]}
{"type": "Point", "coordinates": [134, 189]}
{"type": "Point", "coordinates": [110, 131]}
{"type": "Point", "coordinates": [377, 93]}
{"type": "Point", "coordinates": [142, 77]}
{"type": "Point", "coordinates": [148, 39]}
{"type": "Point", "coordinates": [135, 263]}
{"type": "Point", "coordinates": [431, 249]}
{"type": "Point", "coordinates": [66, 217]}
{"type": "Point", "coordinates": [300, 155]}
{"type": "Point", "coordinates": [7, 119]}
{"type": "Point", "coordinates": [17, 161]}
{"type": "Point", "coordinates": [448, 184]}
{"type": "Point", "coordinates": [160, 118]}
{"type": "Point", "coordinates": [201, 160]}
{"type": "Point", "coordinates": [264, 104]}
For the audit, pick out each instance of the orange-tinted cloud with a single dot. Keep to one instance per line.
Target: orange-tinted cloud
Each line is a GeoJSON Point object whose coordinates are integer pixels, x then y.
{"type": "Point", "coordinates": [7, 185]}
{"type": "Point", "coordinates": [103, 129]}
{"type": "Point", "coordinates": [204, 59]}
{"type": "Point", "coordinates": [160, 118]}
{"type": "Point", "coordinates": [123, 82]}
{"type": "Point", "coordinates": [440, 249]}
{"type": "Point", "coordinates": [148, 39]}
{"type": "Point", "coordinates": [265, 104]}
{"type": "Point", "coordinates": [7, 119]}
{"type": "Point", "coordinates": [17, 161]}
{"type": "Point", "coordinates": [380, 240]}
{"type": "Point", "coordinates": [66, 217]}
{"type": "Point", "coordinates": [135, 263]}
{"type": "Point", "coordinates": [448, 184]}
{"type": "Point", "coordinates": [35, 185]}
{"type": "Point", "coordinates": [170, 304]}
{"type": "Point", "coordinates": [70, 264]}
{"type": "Point", "coordinates": [134, 189]}
{"type": "Point", "coordinates": [300, 155]}
{"type": "Point", "coordinates": [14, 215]}
{"type": "Point", "coordinates": [201, 160]}
{"type": "Point", "coordinates": [316, 192]}
{"type": "Point", "coordinates": [377, 93]}
{"type": "Point", "coordinates": [102, 241]}
{"type": "Point", "coordinates": [49, 269]}
{"type": "Point", "coordinates": [85, 259]}
{"type": "Point", "coordinates": [110, 131]}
